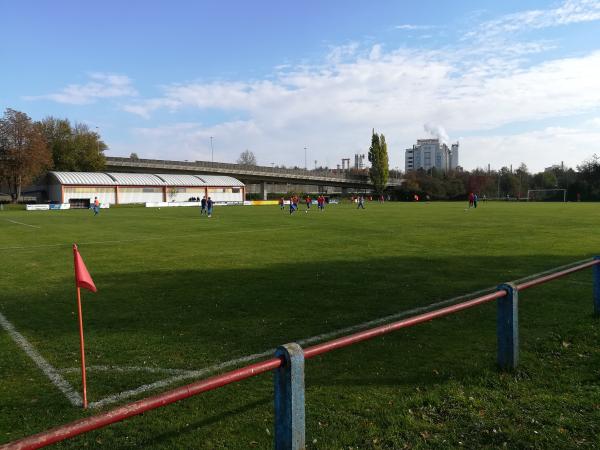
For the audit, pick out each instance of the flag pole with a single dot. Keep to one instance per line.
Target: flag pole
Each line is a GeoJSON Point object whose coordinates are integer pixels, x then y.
{"type": "Point", "coordinates": [81, 342]}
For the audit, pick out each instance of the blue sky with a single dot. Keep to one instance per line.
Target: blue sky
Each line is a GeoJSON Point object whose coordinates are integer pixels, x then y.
{"type": "Point", "coordinates": [511, 81]}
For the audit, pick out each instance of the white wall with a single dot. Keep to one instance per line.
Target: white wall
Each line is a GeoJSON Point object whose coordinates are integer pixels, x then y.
{"type": "Point", "coordinates": [140, 195]}
{"type": "Point", "coordinates": [104, 194]}
{"type": "Point", "coordinates": [225, 195]}
{"type": "Point", "coordinates": [146, 194]}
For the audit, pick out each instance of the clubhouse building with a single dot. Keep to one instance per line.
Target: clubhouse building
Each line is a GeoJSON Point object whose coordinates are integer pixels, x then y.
{"type": "Point", "coordinates": [79, 188]}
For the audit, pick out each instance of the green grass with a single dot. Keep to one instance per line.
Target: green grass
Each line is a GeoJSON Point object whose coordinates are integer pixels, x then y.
{"type": "Point", "coordinates": [182, 292]}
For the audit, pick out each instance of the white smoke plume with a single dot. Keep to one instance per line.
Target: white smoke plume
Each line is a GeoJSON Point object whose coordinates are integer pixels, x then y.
{"type": "Point", "coordinates": [437, 131]}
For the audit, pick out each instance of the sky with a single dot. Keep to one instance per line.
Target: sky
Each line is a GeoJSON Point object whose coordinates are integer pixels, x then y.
{"type": "Point", "coordinates": [513, 81]}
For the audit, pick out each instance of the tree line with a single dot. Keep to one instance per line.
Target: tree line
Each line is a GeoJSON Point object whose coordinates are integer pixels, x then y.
{"type": "Point", "coordinates": [581, 183]}
{"type": "Point", "coordinates": [28, 149]}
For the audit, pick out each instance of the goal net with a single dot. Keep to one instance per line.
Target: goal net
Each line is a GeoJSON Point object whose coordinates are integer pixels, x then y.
{"type": "Point", "coordinates": [547, 195]}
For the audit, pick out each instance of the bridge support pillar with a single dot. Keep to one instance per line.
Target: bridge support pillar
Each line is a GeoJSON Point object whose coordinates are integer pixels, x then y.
{"type": "Point", "coordinates": [263, 190]}
{"type": "Point", "coordinates": [507, 327]}
{"type": "Point", "coordinates": [289, 399]}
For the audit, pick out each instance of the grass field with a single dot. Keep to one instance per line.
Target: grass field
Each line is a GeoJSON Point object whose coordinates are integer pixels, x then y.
{"type": "Point", "coordinates": [179, 293]}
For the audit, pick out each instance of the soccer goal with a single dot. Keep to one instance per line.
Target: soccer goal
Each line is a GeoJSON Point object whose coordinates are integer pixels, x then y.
{"type": "Point", "coordinates": [547, 195]}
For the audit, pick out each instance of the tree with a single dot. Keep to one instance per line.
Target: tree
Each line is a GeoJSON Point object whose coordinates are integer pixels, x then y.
{"type": "Point", "coordinates": [24, 153]}
{"type": "Point", "coordinates": [523, 173]}
{"type": "Point", "coordinates": [589, 170]}
{"type": "Point", "coordinates": [378, 157]}
{"type": "Point", "coordinates": [74, 148]}
{"type": "Point", "coordinates": [545, 180]}
{"type": "Point", "coordinates": [134, 156]}
{"type": "Point", "coordinates": [247, 158]}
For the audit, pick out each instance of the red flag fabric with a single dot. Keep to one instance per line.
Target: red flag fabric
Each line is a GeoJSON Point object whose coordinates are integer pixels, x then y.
{"type": "Point", "coordinates": [83, 278]}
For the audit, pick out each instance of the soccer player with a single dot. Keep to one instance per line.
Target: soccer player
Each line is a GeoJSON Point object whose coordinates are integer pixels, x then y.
{"type": "Point", "coordinates": [281, 204]}
{"type": "Point", "coordinates": [209, 207]}
{"type": "Point", "coordinates": [308, 200]}
{"type": "Point", "coordinates": [203, 205]}
{"type": "Point", "coordinates": [361, 202]}
{"type": "Point", "coordinates": [96, 206]}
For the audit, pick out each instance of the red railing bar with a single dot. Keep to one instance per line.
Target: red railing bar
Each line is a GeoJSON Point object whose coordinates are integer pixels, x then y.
{"type": "Point", "coordinates": [133, 409]}
{"type": "Point", "coordinates": [345, 341]}
{"type": "Point", "coordinates": [554, 276]}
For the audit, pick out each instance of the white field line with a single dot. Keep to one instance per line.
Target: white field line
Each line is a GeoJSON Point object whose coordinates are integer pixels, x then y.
{"type": "Point", "coordinates": [233, 362]}
{"type": "Point", "coordinates": [154, 238]}
{"type": "Point", "coordinates": [310, 340]}
{"type": "Point", "coordinates": [21, 223]}
{"type": "Point", "coordinates": [56, 378]}
{"type": "Point", "coordinates": [581, 283]}
{"type": "Point", "coordinates": [125, 369]}
{"type": "Point", "coordinates": [168, 381]}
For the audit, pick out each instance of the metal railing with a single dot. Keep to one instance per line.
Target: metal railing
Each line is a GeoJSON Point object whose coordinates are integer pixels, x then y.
{"type": "Point", "coordinates": [288, 364]}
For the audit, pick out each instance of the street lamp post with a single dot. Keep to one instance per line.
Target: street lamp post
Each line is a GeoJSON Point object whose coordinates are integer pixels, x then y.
{"type": "Point", "coordinates": [98, 140]}
{"type": "Point", "coordinates": [212, 151]}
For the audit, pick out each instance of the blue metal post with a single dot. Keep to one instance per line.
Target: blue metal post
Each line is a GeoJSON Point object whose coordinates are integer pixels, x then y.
{"type": "Point", "coordinates": [596, 275]}
{"type": "Point", "coordinates": [289, 399]}
{"type": "Point", "coordinates": [507, 327]}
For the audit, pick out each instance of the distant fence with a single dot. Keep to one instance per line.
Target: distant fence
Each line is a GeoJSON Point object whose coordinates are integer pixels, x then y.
{"type": "Point", "coordinates": [288, 364]}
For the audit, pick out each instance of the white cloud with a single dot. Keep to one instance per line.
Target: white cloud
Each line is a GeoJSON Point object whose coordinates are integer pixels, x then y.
{"type": "Point", "coordinates": [101, 85]}
{"type": "Point", "coordinates": [191, 141]}
{"type": "Point", "coordinates": [594, 123]}
{"type": "Point", "coordinates": [331, 108]}
{"type": "Point", "coordinates": [412, 27]}
{"type": "Point", "coordinates": [571, 11]}
{"type": "Point", "coordinates": [339, 53]}
{"type": "Point", "coordinates": [538, 149]}
{"type": "Point", "coordinates": [335, 107]}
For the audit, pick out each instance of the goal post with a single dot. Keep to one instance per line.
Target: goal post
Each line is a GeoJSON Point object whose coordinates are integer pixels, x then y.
{"type": "Point", "coordinates": [547, 195]}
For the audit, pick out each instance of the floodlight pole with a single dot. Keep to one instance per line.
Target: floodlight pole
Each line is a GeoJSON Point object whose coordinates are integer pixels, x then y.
{"type": "Point", "coordinates": [498, 185]}
{"type": "Point", "coordinates": [212, 152]}
{"type": "Point", "coordinates": [305, 167]}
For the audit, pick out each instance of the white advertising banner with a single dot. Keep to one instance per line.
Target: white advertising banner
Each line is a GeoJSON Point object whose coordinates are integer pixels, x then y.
{"type": "Point", "coordinates": [37, 207]}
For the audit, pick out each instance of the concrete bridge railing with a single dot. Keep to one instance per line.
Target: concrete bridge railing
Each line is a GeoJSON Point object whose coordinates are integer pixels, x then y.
{"type": "Point", "coordinates": [263, 173]}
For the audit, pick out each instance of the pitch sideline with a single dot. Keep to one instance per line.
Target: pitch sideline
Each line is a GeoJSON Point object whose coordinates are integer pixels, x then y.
{"type": "Point", "coordinates": [21, 223]}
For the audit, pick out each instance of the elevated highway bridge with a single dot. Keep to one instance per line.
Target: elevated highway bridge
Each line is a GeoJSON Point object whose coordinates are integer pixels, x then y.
{"type": "Point", "coordinates": [261, 175]}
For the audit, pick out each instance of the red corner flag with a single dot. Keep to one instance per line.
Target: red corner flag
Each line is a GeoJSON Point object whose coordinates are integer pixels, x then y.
{"type": "Point", "coordinates": [82, 280]}
{"type": "Point", "coordinates": [82, 276]}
